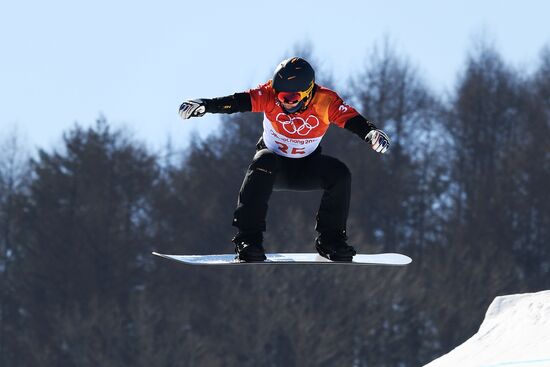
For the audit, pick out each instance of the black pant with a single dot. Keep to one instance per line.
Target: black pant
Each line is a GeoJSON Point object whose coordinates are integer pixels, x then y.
{"type": "Point", "coordinates": [270, 171]}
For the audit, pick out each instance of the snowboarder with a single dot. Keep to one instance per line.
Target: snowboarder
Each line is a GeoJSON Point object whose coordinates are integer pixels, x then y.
{"type": "Point", "coordinates": [297, 113]}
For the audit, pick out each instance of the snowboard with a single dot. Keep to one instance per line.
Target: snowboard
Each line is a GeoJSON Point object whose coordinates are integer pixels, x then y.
{"type": "Point", "coordinates": [390, 259]}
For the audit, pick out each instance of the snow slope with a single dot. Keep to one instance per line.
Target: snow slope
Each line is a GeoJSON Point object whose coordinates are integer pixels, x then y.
{"type": "Point", "coordinates": [514, 333]}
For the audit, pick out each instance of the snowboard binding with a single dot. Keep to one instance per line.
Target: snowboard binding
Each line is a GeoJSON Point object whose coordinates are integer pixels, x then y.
{"type": "Point", "coordinates": [248, 247]}
{"type": "Point", "coordinates": [333, 246]}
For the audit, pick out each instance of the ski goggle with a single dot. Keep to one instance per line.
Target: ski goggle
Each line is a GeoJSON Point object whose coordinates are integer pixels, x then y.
{"type": "Point", "coordinates": [294, 97]}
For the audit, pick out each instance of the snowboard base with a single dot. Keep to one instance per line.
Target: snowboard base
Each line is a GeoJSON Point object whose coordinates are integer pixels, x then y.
{"type": "Point", "coordinates": [391, 259]}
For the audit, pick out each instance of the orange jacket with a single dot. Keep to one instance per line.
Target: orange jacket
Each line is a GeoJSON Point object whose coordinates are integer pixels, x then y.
{"type": "Point", "coordinates": [299, 134]}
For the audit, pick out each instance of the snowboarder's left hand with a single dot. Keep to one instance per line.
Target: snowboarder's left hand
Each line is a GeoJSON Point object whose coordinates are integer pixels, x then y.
{"type": "Point", "coordinates": [379, 140]}
{"type": "Point", "coordinates": [192, 108]}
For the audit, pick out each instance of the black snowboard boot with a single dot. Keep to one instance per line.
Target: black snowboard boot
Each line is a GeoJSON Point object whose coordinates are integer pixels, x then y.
{"type": "Point", "coordinates": [248, 246]}
{"type": "Point", "coordinates": [333, 246]}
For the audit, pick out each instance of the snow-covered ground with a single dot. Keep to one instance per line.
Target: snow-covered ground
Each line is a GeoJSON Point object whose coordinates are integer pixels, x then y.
{"type": "Point", "coordinates": [515, 333]}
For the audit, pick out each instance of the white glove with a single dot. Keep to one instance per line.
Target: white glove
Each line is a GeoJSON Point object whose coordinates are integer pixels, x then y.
{"type": "Point", "coordinates": [192, 108]}
{"type": "Point", "coordinates": [379, 140]}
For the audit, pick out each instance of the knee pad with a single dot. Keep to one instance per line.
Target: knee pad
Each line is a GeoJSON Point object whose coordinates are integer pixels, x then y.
{"type": "Point", "coordinates": [265, 161]}
{"type": "Point", "coordinates": [339, 171]}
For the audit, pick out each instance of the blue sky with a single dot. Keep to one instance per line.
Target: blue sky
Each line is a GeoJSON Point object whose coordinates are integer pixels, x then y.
{"type": "Point", "coordinates": [134, 61]}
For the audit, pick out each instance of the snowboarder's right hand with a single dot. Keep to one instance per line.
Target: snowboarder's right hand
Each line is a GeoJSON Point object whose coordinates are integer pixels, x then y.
{"type": "Point", "coordinates": [192, 108]}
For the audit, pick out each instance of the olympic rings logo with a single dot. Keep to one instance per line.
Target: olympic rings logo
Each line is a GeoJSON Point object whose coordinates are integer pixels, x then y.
{"type": "Point", "coordinates": [297, 125]}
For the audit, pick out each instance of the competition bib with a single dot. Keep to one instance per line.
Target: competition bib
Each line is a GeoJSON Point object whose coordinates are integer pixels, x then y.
{"type": "Point", "coordinates": [295, 137]}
